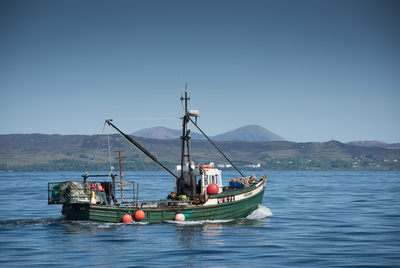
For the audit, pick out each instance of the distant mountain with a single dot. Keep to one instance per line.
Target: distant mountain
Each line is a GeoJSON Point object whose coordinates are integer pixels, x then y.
{"type": "Point", "coordinates": [251, 133]}
{"type": "Point", "coordinates": [163, 133]}
{"type": "Point", "coordinates": [248, 133]}
{"type": "Point", "coordinates": [378, 144]}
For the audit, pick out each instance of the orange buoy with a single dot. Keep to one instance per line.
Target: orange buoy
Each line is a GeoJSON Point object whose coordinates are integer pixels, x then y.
{"type": "Point", "coordinates": [139, 215]}
{"type": "Point", "coordinates": [179, 217]}
{"type": "Point", "coordinates": [100, 188]}
{"type": "Point", "coordinates": [212, 189]}
{"type": "Point", "coordinates": [127, 218]}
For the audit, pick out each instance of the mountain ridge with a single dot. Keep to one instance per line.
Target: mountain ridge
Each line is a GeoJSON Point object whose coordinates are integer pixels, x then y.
{"type": "Point", "coordinates": [164, 133]}
{"type": "Point", "coordinates": [252, 133]}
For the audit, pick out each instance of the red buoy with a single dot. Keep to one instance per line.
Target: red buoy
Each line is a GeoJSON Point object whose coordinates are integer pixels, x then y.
{"type": "Point", "coordinates": [212, 189]}
{"type": "Point", "coordinates": [100, 188]}
{"type": "Point", "coordinates": [127, 218]}
{"type": "Point", "coordinates": [139, 215]}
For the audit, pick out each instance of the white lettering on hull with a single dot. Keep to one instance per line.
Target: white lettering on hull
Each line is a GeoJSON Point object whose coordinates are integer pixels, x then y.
{"type": "Point", "coordinates": [233, 198]}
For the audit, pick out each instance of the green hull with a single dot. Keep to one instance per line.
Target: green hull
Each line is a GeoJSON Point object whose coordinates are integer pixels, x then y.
{"type": "Point", "coordinates": [221, 211]}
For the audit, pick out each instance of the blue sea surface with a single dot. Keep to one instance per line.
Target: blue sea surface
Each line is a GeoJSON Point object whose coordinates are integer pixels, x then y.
{"type": "Point", "coordinates": [308, 219]}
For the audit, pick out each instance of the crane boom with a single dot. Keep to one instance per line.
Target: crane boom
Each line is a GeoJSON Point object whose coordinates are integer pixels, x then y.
{"type": "Point", "coordinates": [140, 147]}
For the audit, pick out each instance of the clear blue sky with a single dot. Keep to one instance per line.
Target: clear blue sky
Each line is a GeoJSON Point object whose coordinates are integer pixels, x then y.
{"type": "Point", "coordinates": [306, 70]}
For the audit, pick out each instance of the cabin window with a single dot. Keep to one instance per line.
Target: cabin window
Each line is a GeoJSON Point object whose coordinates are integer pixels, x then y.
{"type": "Point", "coordinates": [211, 179]}
{"type": "Point", "coordinates": [205, 180]}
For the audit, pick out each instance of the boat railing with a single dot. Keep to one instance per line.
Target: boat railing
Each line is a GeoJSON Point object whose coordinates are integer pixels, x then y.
{"type": "Point", "coordinates": [125, 193]}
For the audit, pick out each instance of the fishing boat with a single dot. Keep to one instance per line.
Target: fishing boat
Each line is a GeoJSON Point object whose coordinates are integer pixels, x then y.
{"type": "Point", "coordinates": [198, 194]}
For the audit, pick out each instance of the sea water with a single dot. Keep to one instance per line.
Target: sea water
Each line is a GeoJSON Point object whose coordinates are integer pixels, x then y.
{"type": "Point", "coordinates": [307, 219]}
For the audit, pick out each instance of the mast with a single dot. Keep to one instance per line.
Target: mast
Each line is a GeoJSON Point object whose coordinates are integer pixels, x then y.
{"type": "Point", "coordinates": [186, 184]}
{"type": "Point", "coordinates": [185, 153]}
{"type": "Point", "coordinates": [185, 134]}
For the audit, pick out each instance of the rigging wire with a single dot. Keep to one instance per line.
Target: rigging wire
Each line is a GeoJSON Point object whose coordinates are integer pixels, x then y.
{"type": "Point", "coordinates": [109, 151]}
{"type": "Point", "coordinates": [99, 143]}
{"type": "Point", "coordinates": [216, 147]}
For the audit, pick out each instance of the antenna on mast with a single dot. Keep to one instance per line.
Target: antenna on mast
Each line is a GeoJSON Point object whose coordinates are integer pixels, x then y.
{"type": "Point", "coordinates": [181, 88]}
{"type": "Point", "coordinates": [180, 83]}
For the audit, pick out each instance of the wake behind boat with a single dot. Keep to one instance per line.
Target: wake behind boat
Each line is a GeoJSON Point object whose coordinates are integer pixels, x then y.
{"type": "Point", "coordinates": [198, 194]}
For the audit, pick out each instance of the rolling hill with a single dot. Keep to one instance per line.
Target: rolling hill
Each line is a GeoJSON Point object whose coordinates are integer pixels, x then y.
{"type": "Point", "coordinates": [40, 152]}
{"type": "Point", "coordinates": [376, 144]}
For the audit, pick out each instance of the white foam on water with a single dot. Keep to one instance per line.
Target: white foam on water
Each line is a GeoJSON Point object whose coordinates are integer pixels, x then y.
{"type": "Point", "coordinates": [260, 213]}
{"type": "Point", "coordinates": [111, 225]}
{"type": "Point", "coordinates": [138, 223]}
{"type": "Point", "coordinates": [199, 222]}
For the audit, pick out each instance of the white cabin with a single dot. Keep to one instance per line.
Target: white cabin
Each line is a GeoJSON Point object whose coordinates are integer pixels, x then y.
{"type": "Point", "coordinates": [205, 175]}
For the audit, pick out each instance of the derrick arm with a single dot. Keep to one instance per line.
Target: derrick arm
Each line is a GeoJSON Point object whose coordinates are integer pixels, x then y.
{"type": "Point", "coordinates": [140, 147]}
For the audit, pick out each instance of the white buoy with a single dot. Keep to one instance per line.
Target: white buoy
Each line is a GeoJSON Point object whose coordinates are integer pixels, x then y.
{"type": "Point", "coordinates": [179, 217]}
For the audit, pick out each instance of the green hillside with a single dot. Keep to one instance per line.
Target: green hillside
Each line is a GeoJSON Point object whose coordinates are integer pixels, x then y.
{"type": "Point", "coordinates": [39, 152]}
